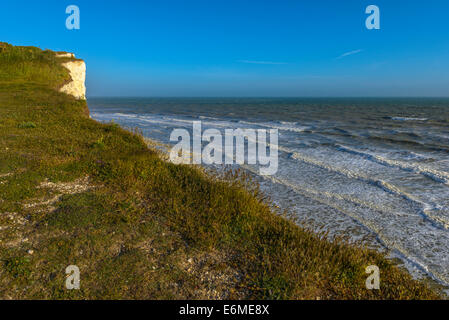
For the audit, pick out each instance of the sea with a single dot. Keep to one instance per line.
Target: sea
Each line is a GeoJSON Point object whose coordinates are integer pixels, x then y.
{"type": "Point", "coordinates": [372, 170]}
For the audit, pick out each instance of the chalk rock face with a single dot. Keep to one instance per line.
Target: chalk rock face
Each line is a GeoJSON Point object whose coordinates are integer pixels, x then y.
{"type": "Point", "coordinates": [76, 87]}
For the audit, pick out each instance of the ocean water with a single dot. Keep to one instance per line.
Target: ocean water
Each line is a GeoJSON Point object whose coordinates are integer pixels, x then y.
{"type": "Point", "coordinates": [373, 170]}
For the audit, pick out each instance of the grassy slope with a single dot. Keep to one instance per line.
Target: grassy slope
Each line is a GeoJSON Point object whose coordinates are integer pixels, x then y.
{"type": "Point", "coordinates": [141, 227]}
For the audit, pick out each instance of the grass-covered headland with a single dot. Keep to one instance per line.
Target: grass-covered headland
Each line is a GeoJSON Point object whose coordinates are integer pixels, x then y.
{"type": "Point", "coordinates": [77, 192]}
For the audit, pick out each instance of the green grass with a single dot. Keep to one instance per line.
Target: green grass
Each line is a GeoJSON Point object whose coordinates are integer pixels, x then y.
{"type": "Point", "coordinates": [27, 125]}
{"type": "Point", "coordinates": [139, 227]}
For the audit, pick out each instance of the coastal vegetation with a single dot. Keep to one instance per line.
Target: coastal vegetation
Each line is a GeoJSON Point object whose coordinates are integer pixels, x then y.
{"type": "Point", "coordinates": [74, 191]}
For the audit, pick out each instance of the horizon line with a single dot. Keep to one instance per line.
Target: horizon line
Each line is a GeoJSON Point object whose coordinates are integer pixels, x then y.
{"type": "Point", "coordinates": [276, 97]}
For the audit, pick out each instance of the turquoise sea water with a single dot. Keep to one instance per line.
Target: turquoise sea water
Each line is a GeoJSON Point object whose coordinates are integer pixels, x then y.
{"type": "Point", "coordinates": [374, 170]}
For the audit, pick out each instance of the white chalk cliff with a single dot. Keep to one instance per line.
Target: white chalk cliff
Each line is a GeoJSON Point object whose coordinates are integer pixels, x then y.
{"type": "Point", "coordinates": [77, 69]}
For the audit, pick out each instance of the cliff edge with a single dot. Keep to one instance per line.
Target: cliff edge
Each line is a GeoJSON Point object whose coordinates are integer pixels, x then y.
{"type": "Point", "coordinates": [77, 69]}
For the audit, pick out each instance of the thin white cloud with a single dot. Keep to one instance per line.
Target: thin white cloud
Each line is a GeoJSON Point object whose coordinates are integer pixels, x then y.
{"type": "Point", "coordinates": [261, 62]}
{"type": "Point", "coordinates": [350, 53]}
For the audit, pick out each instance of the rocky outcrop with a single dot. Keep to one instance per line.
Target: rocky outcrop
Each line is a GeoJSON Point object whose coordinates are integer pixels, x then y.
{"type": "Point", "coordinates": [65, 55]}
{"type": "Point", "coordinates": [77, 68]}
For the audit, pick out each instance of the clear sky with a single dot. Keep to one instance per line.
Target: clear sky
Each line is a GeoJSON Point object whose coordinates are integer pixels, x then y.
{"type": "Point", "coordinates": [244, 48]}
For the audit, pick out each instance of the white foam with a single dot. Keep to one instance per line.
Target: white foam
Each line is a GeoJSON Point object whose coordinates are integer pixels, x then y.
{"type": "Point", "coordinates": [436, 175]}
{"type": "Point", "coordinates": [408, 119]}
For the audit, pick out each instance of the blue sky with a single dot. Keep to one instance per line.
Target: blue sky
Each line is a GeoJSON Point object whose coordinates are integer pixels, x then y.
{"type": "Point", "coordinates": [244, 48]}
